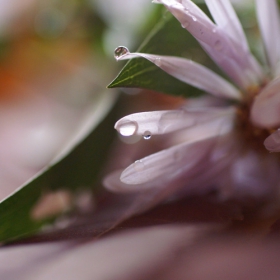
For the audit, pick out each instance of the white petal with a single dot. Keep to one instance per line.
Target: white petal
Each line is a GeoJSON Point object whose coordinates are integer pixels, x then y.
{"type": "Point", "coordinates": [272, 142]}
{"type": "Point", "coordinates": [226, 18]}
{"type": "Point", "coordinates": [190, 72]}
{"type": "Point", "coordinates": [266, 107]}
{"type": "Point", "coordinates": [161, 122]}
{"type": "Point", "coordinates": [268, 17]}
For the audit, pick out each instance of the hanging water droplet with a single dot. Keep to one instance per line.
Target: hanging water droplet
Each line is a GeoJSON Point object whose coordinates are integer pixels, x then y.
{"type": "Point", "coordinates": [147, 135]}
{"type": "Point", "coordinates": [128, 128]}
{"type": "Point", "coordinates": [120, 51]}
{"type": "Point", "coordinates": [218, 45]}
{"type": "Point", "coordinates": [138, 165]}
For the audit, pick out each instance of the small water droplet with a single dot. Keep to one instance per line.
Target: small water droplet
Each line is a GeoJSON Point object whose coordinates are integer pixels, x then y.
{"type": "Point", "coordinates": [158, 61]}
{"type": "Point", "coordinates": [194, 18]}
{"type": "Point", "coordinates": [128, 128]}
{"type": "Point", "coordinates": [147, 135]}
{"type": "Point", "coordinates": [138, 165]}
{"type": "Point", "coordinates": [120, 51]}
{"type": "Point", "coordinates": [185, 24]}
{"type": "Point", "coordinates": [218, 45]}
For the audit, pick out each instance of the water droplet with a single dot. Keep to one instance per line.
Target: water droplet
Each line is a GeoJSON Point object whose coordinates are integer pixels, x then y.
{"type": "Point", "coordinates": [218, 45]}
{"type": "Point", "coordinates": [138, 165]}
{"type": "Point", "coordinates": [158, 61]}
{"type": "Point", "coordinates": [185, 24]}
{"type": "Point", "coordinates": [128, 128]}
{"type": "Point", "coordinates": [147, 135]}
{"type": "Point", "coordinates": [194, 18]}
{"type": "Point", "coordinates": [120, 51]}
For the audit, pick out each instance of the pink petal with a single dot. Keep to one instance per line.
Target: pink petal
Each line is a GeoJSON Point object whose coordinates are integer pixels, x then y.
{"type": "Point", "coordinates": [266, 107]}
{"type": "Point", "coordinates": [168, 163]}
{"type": "Point", "coordinates": [189, 72]}
{"type": "Point", "coordinates": [269, 22]}
{"type": "Point", "coordinates": [272, 142]}
{"type": "Point", "coordinates": [161, 122]}
{"type": "Point", "coordinates": [218, 42]}
{"type": "Point", "coordinates": [226, 18]}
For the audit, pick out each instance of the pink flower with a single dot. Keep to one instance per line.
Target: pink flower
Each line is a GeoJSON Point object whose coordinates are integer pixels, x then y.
{"type": "Point", "coordinates": [222, 141]}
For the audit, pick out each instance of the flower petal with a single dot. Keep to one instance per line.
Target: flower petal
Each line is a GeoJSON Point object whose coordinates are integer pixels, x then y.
{"type": "Point", "coordinates": [170, 163]}
{"type": "Point", "coordinates": [190, 72]}
{"type": "Point", "coordinates": [219, 43]}
{"type": "Point", "coordinates": [266, 107]}
{"type": "Point", "coordinates": [268, 17]}
{"type": "Point", "coordinates": [161, 122]}
{"type": "Point", "coordinates": [272, 142]}
{"type": "Point", "coordinates": [226, 18]}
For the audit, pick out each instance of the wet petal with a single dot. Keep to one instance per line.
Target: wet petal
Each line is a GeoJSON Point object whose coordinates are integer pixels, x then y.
{"type": "Point", "coordinates": [216, 42]}
{"type": "Point", "coordinates": [161, 122]}
{"type": "Point", "coordinates": [266, 107]}
{"type": "Point", "coordinates": [268, 17]}
{"type": "Point", "coordinates": [168, 164]}
{"type": "Point", "coordinates": [272, 142]}
{"type": "Point", "coordinates": [189, 72]}
{"type": "Point", "coordinates": [226, 18]}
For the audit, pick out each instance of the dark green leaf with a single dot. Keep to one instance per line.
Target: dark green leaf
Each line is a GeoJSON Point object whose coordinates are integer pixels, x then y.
{"type": "Point", "coordinates": [167, 38]}
{"type": "Point", "coordinates": [78, 170]}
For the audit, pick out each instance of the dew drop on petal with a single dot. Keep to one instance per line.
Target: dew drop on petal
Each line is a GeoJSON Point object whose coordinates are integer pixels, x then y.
{"type": "Point", "coordinates": [185, 24]}
{"type": "Point", "coordinates": [157, 61]}
{"type": "Point", "coordinates": [218, 45]}
{"type": "Point", "coordinates": [147, 135]}
{"type": "Point", "coordinates": [120, 51]}
{"type": "Point", "coordinates": [128, 128]}
{"type": "Point", "coordinates": [138, 165]}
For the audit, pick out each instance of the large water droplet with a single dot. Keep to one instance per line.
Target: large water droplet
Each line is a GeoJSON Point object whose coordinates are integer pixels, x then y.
{"type": "Point", "coordinates": [147, 135]}
{"type": "Point", "coordinates": [218, 45]}
{"type": "Point", "coordinates": [138, 165]}
{"type": "Point", "coordinates": [120, 51]}
{"type": "Point", "coordinates": [128, 128]}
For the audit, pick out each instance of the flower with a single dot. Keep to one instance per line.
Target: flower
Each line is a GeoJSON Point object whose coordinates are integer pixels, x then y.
{"type": "Point", "coordinates": [222, 141]}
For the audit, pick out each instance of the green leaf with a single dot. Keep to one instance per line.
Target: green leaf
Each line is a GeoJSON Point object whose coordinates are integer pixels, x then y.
{"type": "Point", "coordinates": [167, 38]}
{"type": "Point", "coordinates": [77, 170]}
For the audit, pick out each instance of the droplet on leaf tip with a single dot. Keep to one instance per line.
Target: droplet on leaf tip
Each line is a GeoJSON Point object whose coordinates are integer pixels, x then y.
{"type": "Point", "coordinates": [121, 51]}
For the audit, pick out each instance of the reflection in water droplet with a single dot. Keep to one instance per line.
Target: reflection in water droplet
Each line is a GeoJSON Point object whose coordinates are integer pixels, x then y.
{"type": "Point", "coordinates": [147, 135]}
{"type": "Point", "coordinates": [120, 51]}
{"type": "Point", "coordinates": [128, 128]}
{"type": "Point", "coordinates": [218, 45]}
{"type": "Point", "coordinates": [138, 165]}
